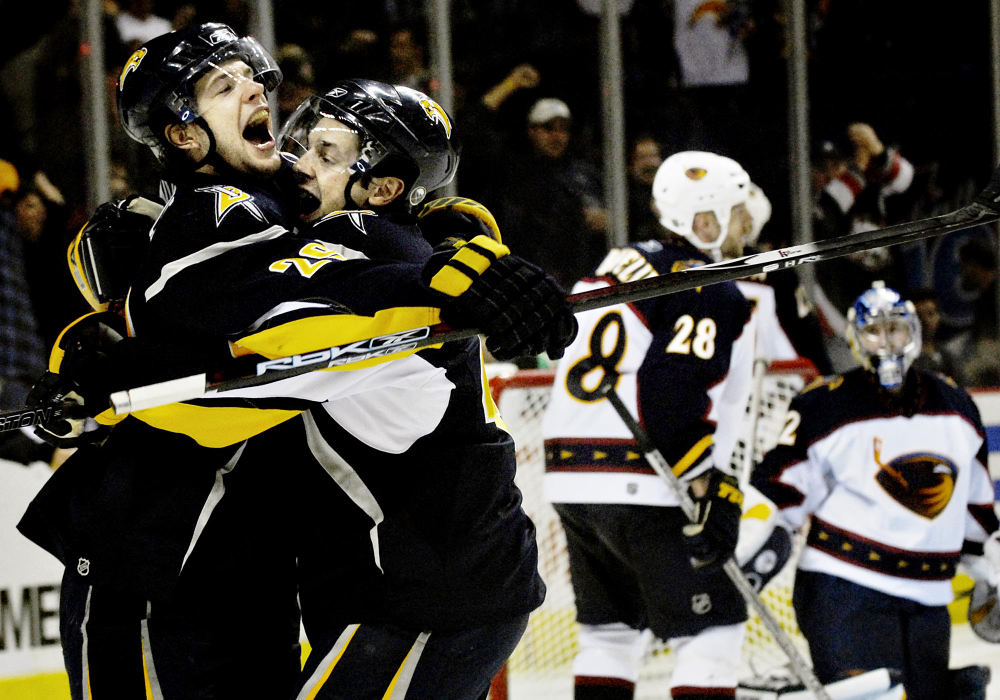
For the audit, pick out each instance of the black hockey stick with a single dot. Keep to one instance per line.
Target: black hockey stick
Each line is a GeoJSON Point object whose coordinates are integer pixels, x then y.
{"type": "Point", "coordinates": [659, 463]}
{"type": "Point", "coordinates": [246, 372]}
{"type": "Point", "coordinates": [27, 417]}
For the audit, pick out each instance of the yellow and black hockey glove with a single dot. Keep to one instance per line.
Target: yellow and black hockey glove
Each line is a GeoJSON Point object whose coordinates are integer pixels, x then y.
{"type": "Point", "coordinates": [711, 538]}
{"type": "Point", "coordinates": [456, 218]}
{"type": "Point", "coordinates": [520, 309]}
{"type": "Point", "coordinates": [83, 371]}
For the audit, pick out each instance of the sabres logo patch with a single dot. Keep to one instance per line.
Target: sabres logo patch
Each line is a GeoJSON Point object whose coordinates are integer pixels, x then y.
{"type": "Point", "coordinates": [920, 481]}
{"type": "Point", "coordinates": [130, 65]}
{"type": "Point", "coordinates": [436, 114]}
{"type": "Point", "coordinates": [695, 173]}
{"type": "Point", "coordinates": [228, 199]}
{"type": "Point", "coordinates": [356, 217]}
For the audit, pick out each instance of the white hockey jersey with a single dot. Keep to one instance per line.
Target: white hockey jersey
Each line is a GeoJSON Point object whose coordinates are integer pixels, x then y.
{"type": "Point", "coordinates": [682, 364]}
{"type": "Point", "coordinates": [890, 495]}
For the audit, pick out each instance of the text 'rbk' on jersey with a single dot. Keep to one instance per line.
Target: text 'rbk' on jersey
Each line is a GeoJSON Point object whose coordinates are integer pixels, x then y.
{"type": "Point", "coordinates": [682, 364]}
{"type": "Point", "coordinates": [891, 496]}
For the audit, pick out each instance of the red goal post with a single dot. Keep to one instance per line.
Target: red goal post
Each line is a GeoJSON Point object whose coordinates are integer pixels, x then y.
{"type": "Point", "coordinates": [541, 665]}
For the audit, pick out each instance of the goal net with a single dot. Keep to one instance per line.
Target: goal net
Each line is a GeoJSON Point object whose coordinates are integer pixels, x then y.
{"type": "Point", "coordinates": [541, 665]}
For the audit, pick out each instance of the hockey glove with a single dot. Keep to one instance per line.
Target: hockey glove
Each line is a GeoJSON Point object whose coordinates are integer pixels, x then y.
{"type": "Point", "coordinates": [456, 218]}
{"type": "Point", "coordinates": [105, 254]}
{"type": "Point", "coordinates": [711, 538]}
{"type": "Point", "coordinates": [518, 308]}
{"type": "Point", "coordinates": [87, 373]}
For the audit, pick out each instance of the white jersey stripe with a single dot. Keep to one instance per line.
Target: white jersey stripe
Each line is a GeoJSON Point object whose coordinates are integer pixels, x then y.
{"type": "Point", "coordinates": [175, 267]}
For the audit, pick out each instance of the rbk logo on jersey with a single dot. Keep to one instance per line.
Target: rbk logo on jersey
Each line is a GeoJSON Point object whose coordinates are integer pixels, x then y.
{"type": "Point", "coordinates": [229, 199]}
{"type": "Point", "coordinates": [131, 65]}
{"type": "Point", "coordinates": [356, 217]}
{"type": "Point", "coordinates": [920, 481]}
{"type": "Point", "coordinates": [437, 114]}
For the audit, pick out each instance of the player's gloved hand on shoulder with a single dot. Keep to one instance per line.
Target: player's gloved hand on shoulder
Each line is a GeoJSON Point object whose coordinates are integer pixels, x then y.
{"type": "Point", "coordinates": [105, 253]}
{"type": "Point", "coordinates": [88, 372]}
{"type": "Point", "coordinates": [456, 218]}
{"type": "Point", "coordinates": [518, 307]}
{"type": "Point", "coordinates": [711, 538]}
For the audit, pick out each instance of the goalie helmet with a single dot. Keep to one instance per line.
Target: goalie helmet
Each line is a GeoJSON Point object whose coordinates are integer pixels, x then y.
{"type": "Point", "coordinates": [156, 86]}
{"type": "Point", "coordinates": [402, 132]}
{"type": "Point", "coordinates": [691, 182]}
{"type": "Point", "coordinates": [884, 334]}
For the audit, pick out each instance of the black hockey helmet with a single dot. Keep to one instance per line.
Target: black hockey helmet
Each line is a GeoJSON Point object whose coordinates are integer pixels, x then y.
{"type": "Point", "coordinates": [402, 131]}
{"type": "Point", "coordinates": [156, 86]}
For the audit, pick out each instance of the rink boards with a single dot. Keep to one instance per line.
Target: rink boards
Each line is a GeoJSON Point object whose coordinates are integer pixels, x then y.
{"type": "Point", "coordinates": [30, 656]}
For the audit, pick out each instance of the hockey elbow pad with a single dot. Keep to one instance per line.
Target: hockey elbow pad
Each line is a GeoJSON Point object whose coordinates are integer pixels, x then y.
{"type": "Point", "coordinates": [456, 218]}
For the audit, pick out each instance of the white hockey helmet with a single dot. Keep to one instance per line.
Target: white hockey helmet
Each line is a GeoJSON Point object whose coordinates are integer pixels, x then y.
{"type": "Point", "coordinates": [759, 207]}
{"type": "Point", "coordinates": [691, 182]}
{"type": "Point", "coordinates": [883, 330]}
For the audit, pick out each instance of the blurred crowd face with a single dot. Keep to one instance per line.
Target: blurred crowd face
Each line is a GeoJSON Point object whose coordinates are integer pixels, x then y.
{"type": "Point", "coordinates": [31, 215]}
{"type": "Point", "coordinates": [930, 317]}
{"type": "Point", "coordinates": [646, 158]}
{"type": "Point", "coordinates": [550, 139]}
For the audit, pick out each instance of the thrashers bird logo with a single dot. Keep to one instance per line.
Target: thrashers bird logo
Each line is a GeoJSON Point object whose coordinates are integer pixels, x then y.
{"type": "Point", "coordinates": [920, 481]}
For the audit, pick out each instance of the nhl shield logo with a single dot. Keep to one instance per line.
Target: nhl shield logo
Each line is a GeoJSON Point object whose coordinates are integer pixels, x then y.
{"type": "Point", "coordinates": [701, 603]}
{"type": "Point", "coordinates": [83, 566]}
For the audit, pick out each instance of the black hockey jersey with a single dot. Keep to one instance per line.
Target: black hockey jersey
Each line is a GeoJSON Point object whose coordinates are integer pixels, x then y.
{"type": "Point", "coordinates": [682, 363]}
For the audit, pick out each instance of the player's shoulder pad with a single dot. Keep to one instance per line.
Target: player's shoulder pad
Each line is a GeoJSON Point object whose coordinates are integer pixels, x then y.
{"type": "Point", "coordinates": [832, 382]}
{"type": "Point", "coordinates": [944, 394]}
{"type": "Point", "coordinates": [632, 262]}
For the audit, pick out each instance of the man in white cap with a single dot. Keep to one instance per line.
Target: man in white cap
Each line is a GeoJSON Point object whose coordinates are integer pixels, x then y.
{"type": "Point", "coordinates": [551, 200]}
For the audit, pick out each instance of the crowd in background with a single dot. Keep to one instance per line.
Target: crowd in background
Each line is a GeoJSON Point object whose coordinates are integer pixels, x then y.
{"type": "Point", "coordinates": [697, 75]}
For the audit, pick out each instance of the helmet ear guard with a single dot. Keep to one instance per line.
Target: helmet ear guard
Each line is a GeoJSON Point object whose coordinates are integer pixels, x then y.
{"type": "Point", "coordinates": [875, 331]}
{"type": "Point", "coordinates": [691, 182]}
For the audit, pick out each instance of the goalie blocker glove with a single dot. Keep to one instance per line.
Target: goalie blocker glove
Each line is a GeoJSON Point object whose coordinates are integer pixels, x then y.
{"type": "Point", "coordinates": [520, 309]}
{"type": "Point", "coordinates": [711, 537]}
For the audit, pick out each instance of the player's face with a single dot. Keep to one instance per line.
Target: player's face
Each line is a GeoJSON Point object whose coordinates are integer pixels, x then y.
{"type": "Point", "coordinates": [235, 107]}
{"type": "Point", "coordinates": [885, 336]}
{"type": "Point", "coordinates": [325, 167]}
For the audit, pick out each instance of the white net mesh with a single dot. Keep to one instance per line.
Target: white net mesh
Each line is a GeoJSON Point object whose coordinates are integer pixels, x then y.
{"type": "Point", "coordinates": [541, 665]}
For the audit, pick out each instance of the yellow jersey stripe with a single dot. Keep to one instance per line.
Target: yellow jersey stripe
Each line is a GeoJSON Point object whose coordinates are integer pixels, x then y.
{"type": "Point", "coordinates": [330, 661]}
{"type": "Point", "coordinates": [693, 455]}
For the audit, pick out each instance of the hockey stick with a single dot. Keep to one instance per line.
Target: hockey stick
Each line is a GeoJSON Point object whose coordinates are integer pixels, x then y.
{"type": "Point", "coordinates": [984, 209]}
{"type": "Point", "coordinates": [27, 417]}
{"type": "Point", "coordinates": [732, 570]}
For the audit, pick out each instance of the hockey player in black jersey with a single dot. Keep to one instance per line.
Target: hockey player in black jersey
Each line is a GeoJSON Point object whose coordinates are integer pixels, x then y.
{"type": "Point", "coordinates": [427, 587]}
{"type": "Point", "coordinates": [163, 535]}
{"type": "Point", "coordinates": [887, 464]}
{"type": "Point", "coordinates": [682, 364]}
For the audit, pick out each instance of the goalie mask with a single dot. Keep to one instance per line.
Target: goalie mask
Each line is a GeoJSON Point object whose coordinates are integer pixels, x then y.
{"type": "Point", "coordinates": [884, 334]}
{"type": "Point", "coordinates": [402, 133]}
{"type": "Point", "coordinates": [691, 182]}
{"type": "Point", "coordinates": [156, 86]}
